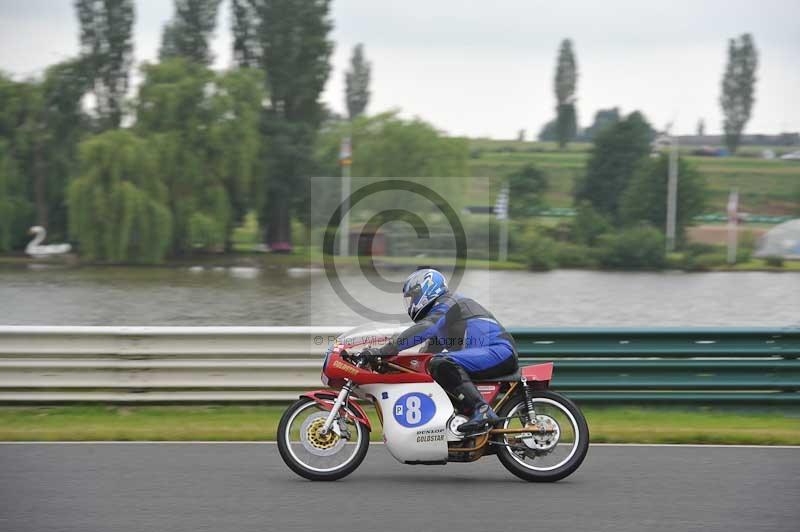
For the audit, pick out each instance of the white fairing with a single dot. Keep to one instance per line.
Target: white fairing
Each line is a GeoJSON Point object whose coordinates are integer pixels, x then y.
{"type": "Point", "coordinates": [415, 415]}
{"type": "Point", "coordinates": [415, 419]}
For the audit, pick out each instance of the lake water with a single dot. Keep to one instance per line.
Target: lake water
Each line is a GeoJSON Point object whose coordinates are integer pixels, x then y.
{"type": "Point", "coordinates": [280, 296]}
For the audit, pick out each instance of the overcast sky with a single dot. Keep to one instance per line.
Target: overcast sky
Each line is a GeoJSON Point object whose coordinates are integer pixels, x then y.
{"type": "Point", "coordinates": [483, 68]}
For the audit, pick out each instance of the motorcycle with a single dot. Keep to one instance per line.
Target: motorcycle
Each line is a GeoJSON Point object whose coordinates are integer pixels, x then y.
{"type": "Point", "coordinates": [541, 436]}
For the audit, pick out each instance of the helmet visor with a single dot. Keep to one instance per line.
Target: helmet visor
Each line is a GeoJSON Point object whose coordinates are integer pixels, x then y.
{"type": "Point", "coordinates": [407, 300]}
{"type": "Point", "coordinates": [411, 297]}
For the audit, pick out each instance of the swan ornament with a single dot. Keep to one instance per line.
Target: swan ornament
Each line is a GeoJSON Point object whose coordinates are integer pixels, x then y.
{"type": "Point", "coordinates": [36, 249]}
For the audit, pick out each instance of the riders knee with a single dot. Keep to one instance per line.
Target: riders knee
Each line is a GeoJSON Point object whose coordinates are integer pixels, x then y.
{"type": "Point", "coordinates": [446, 372]}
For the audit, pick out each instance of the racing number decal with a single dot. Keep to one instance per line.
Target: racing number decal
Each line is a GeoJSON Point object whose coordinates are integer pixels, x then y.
{"type": "Point", "coordinates": [414, 409]}
{"type": "Point", "coordinates": [413, 414]}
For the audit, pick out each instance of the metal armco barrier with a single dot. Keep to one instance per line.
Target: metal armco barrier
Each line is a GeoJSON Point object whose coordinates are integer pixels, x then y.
{"type": "Point", "coordinates": [756, 366]}
{"type": "Point", "coordinates": [216, 364]}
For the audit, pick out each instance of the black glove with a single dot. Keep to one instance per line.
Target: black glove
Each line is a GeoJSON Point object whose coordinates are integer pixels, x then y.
{"type": "Point", "coordinates": [370, 352]}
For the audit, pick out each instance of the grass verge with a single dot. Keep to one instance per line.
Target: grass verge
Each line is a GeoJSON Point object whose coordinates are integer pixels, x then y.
{"type": "Point", "coordinates": [259, 423]}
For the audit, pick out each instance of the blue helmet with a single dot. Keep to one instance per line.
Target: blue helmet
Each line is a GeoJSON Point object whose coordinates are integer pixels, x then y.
{"type": "Point", "coordinates": [421, 289]}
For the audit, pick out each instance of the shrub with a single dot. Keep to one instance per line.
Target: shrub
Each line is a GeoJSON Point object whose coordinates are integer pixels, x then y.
{"type": "Point", "coordinates": [676, 261]}
{"type": "Point", "coordinates": [774, 260]}
{"type": "Point", "coordinates": [747, 244]}
{"type": "Point", "coordinates": [747, 240]}
{"type": "Point", "coordinates": [541, 253]}
{"type": "Point", "coordinates": [645, 196]}
{"type": "Point", "coordinates": [744, 254]}
{"type": "Point", "coordinates": [527, 186]}
{"type": "Point", "coordinates": [705, 261]}
{"type": "Point", "coordinates": [698, 248]}
{"type": "Point", "coordinates": [576, 256]}
{"type": "Point", "coordinates": [482, 237]}
{"type": "Point", "coordinates": [639, 247]}
{"type": "Point", "coordinates": [589, 225]}
{"type": "Point", "coordinates": [560, 232]}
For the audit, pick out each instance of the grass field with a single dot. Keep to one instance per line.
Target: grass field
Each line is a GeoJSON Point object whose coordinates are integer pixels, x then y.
{"type": "Point", "coordinates": [259, 423]}
{"type": "Point", "coordinates": [765, 186]}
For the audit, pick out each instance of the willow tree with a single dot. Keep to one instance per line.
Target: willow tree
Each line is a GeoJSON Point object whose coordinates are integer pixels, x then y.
{"type": "Point", "coordinates": [16, 193]}
{"type": "Point", "coordinates": [237, 138]}
{"type": "Point", "coordinates": [207, 142]}
{"type": "Point", "coordinates": [7, 206]}
{"type": "Point", "coordinates": [40, 124]}
{"type": "Point", "coordinates": [117, 206]}
{"type": "Point", "coordinates": [57, 125]}
{"type": "Point", "coordinates": [16, 210]}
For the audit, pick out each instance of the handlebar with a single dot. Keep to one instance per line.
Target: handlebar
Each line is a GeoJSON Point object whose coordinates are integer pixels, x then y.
{"type": "Point", "coordinates": [364, 358]}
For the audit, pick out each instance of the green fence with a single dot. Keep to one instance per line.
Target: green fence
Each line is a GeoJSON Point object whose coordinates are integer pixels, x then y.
{"type": "Point", "coordinates": [755, 366]}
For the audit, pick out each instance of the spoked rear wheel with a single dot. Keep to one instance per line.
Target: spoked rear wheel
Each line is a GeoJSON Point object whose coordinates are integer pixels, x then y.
{"type": "Point", "coordinates": [543, 455]}
{"type": "Point", "coordinates": [314, 455]}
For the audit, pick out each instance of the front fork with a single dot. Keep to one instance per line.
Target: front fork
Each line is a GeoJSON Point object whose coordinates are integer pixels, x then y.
{"type": "Point", "coordinates": [529, 401]}
{"type": "Point", "coordinates": [341, 399]}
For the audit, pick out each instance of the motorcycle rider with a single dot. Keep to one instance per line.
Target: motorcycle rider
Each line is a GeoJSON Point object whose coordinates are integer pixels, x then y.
{"type": "Point", "coordinates": [470, 344]}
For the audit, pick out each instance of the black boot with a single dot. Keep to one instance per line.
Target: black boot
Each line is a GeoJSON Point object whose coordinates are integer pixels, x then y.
{"type": "Point", "coordinates": [471, 402]}
{"type": "Point", "coordinates": [467, 397]}
{"type": "Point", "coordinates": [483, 417]}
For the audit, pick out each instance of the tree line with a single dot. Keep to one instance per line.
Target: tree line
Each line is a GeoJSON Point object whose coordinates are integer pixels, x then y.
{"type": "Point", "coordinates": [174, 168]}
{"type": "Point", "coordinates": [737, 96]}
{"type": "Point", "coordinates": [621, 204]}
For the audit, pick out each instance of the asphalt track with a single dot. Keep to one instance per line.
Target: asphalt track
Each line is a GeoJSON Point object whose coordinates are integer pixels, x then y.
{"type": "Point", "coordinates": [243, 487]}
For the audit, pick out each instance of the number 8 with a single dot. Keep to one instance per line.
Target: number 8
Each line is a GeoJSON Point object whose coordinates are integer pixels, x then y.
{"type": "Point", "coordinates": [413, 413]}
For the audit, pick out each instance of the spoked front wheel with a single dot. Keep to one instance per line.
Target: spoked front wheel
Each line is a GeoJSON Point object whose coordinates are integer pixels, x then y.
{"type": "Point", "coordinates": [314, 455]}
{"type": "Point", "coordinates": [550, 453]}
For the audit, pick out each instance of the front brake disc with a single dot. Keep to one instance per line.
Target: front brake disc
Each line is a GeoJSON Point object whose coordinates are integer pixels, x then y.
{"type": "Point", "coordinates": [316, 443]}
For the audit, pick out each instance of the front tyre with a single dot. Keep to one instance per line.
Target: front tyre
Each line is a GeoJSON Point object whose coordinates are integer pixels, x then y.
{"type": "Point", "coordinates": [543, 456]}
{"type": "Point", "coordinates": [312, 455]}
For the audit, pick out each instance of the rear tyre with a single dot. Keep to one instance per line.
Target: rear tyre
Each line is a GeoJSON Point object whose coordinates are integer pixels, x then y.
{"type": "Point", "coordinates": [312, 455]}
{"type": "Point", "coordinates": [543, 457]}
